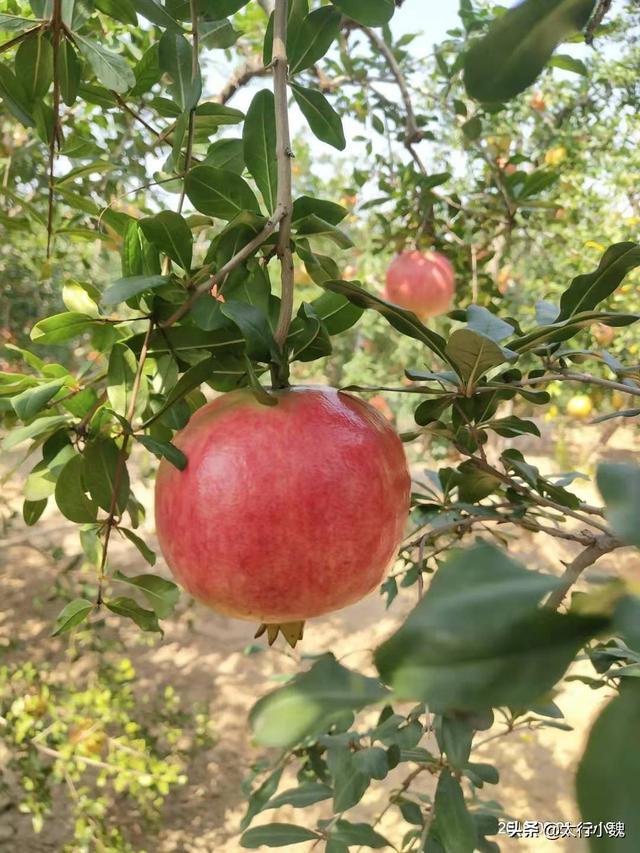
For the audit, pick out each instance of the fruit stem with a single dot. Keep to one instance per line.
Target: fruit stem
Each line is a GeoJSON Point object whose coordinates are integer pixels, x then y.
{"type": "Point", "coordinates": [284, 155]}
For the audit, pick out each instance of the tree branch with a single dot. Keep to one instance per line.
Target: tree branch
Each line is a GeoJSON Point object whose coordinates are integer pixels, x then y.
{"type": "Point", "coordinates": [600, 545]}
{"type": "Point", "coordinates": [56, 31]}
{"type": "Point", "coordinates": [284, 156]}
{"type": "Point", "coordinates": [586, 378]}
{"type": "Point", "coordinates": [252, 68]}
{"type": "Point", "coordinates": [195, 69]}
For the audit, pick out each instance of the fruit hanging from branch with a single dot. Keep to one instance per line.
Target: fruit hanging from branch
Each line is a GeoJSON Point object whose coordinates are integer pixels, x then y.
{"type": "Point", "coordinates": [283, 512]}
{"type": "Point", "coordinates": [580, 406]}
{"type": "Point", "coordinates": [422, 282]}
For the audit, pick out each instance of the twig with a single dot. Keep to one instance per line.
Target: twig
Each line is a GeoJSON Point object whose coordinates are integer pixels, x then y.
{"type": "Point", "coordinates": [125, 106]}
{"type": "Point", "coordinates": [7, 45]}
{"type": "Point", "coordinates": [121, 462]}
{"type": "Point", "coordinates": [269, 227]}
{"type": "Point", "coordinates": [284, 155]}
{"type": "Point", "coordinates": [252, 68]}
{"type": "Point", "coordinates": [601, 545]}
{"type": "Point", "coordinates": [586, 378]}
{"type": "Point", "coordinates": [56, 29]}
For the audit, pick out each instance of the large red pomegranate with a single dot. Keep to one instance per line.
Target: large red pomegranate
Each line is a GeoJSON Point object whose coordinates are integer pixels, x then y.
{"type": "Point", "coordinates": [422, 282]}
{"type": "Point", "coordinates": [283, 512]}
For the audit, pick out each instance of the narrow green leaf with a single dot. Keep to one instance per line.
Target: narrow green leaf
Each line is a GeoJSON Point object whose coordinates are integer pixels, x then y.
{"type": "Point", "coordinates": [170, 233]}
{"type": "Point", "coordinates": [518, 46]}
{"type": "Point", "coordinates": [34, 65]}
{"type": "Point", "coordinates": [32, 511]}
{"type": "Point", "coordinates": [27, 404]}
{"type": "Point", "coordinates": [120, 381]}
{"type": "Point", "coordinates": [306, 205]}
{"type": "Point", "coordinates": [373, 13]}
{"type": "Point", "coordinates": [324, 121]}
{"type": "Point", "coordinates": [474, 354]}
{"type": "Point", "coordinates": [176, 59]}
{"type": "Point", "coordinates": [16, 24]}
{"type": "Point", "coordinates": [141, 545]}
{"type": "Point", "coordinates": [619, 484]}
{"type": "Point", "coordinates": [102, 469]}
{"type": "Point", "coordinates": [310, 701]}
{"type": "Point", "coordinates": [61, 327]}
{"type": "Point", "coordinates": [306, 795]}
{"type": "Point", "coordinates": [110, 68]}
{"type": "Point", "coordinates": [607, 779]}
{"type": "Point", "coordinates": [33, 430]}
{"type": "Point", "coordinates": [161, 594]}
{"type": "Point", "coordinates": [164, 449]}
{"type": "Point", "coordinates": [313, 38]}
{"type": "Point", "coordinates": [276, 835]}
{"type": "Point", "coordinates": [71, 615]}
{"type": "Point", "coordinates": [452, 826]}
{"type": "Point", "coordinates": [259, 146]}
{"type": "Point", "coordinates": [219, 192]}
{"type": "Point", "coordinates": [586, 291]}
{"type": "Point", "coordinates": [70, 493]}
{"type": "Point", "coordinates": [125, 288]}
{"type": "Point", "coordinates": [144, 619]}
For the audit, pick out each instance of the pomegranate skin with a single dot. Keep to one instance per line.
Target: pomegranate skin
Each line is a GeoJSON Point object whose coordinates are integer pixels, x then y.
{"type": "Point", "coordinates": [283, 512]}
{"type": "Point", "coordinates": [422, 282]}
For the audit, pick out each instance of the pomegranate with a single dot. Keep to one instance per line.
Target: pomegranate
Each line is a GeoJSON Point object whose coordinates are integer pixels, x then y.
{"type": "Point", "coordinates": [422, 282]}
{"type": "Point", "coordinates": [283, 512]}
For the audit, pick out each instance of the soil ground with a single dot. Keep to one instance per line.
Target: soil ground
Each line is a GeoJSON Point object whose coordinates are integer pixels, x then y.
{"type": "Point", "coordinates": [202, 656]}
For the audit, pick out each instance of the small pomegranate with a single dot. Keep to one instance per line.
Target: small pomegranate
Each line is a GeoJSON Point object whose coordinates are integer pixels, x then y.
{"type": "Point", "coordinates": [283, 512]}
{"type": "Point", "coordinates": [422, 282]}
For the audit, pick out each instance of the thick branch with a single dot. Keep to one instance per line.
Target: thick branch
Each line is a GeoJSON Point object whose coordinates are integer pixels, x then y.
{"type": "Point", "coordinates": [601, 545]}
{"type": "Point", "coordinates": [283, 155]}
{"type": "Point", "coordinates": [246, 251]}
{"type": "Point", "coordinates": [252, 68]}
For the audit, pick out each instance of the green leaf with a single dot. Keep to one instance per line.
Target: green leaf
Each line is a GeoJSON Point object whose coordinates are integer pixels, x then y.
{"type": "Point", "coordinates": [254, 326]}
{"type": "Point", "coordinates": [16, 24]}
{"type": "Point", "coordinates": [258, 799]}
{"type": "Point", "coordinates": [144, 619]}
{"type": "Point", "coordinates": [307, 339]}
{"type": "Point", "coordinates": [226, 154]}
{"type": "Point", "coordinates": [111, 69]}
{"type": "Point", "coordinates": [372, 761]}
{"type": "Point", "coordinates": [219, 192]}
{"type": "Point", "coordinates": [164, 449]}
{"type": "Point", "coordinates": [485, 323]}
{"type": "Point", "coordinates": [170, 234]}
{"type": "Point", "coordinates": [313, 225]}
{"type": "Point", "coordinates": [259, 146]}
{"type": "Point", "coordinates": [70, 493]}
{"type": "Point", "coordinates": [61, 327]}
{"type": "Point", "coordinates": [71, 615]}
{"type": "Point", "coordinates": [276, 835]}
{"type": "Point", "coordinates": [619, 484]}
{"type": "Point", "coordinates": [479, 639]}
{"type": "Point", "coordinates": [120, 381]}
{"type": "Point", "coordinates": [15, 96]}
{"type": "Point", "coordinates": [34, 65]}
{"type": "Point", "coordinates": [313, 38]}
{"type": "Point", "coordinates": [27, 404]}
{"type": "Point", "coordinates": [33, 430]}
{"type": "Point", "coordinates": [125, 288]}
{"type": "Point", "coordinates": [336, 312]}
{"type": "Point", "coordinates": [328, 210]}
{"type": "Point", "coordinates": [518, 45]}
{"type": "Point", "coordinates": [373, 13]}
{"type": "Point", "coordinates": [79, 298]}
{"type": "Point", "coordinates": [32, 511]}
{"type": "Point", "coordinates": [452, 827]}
{"type": "Point", "coordinates": [586, 291]}
{"type": "Point", "coordinates": [102, 464]}
{"type": "Point", "coordinates": [161, 594]}
{"type": "Point", "coordinates": [299, 798]}
{"type": "Point", "coordinates": [175, 57]}
{"type": "Point", "coordinates": [569, 63]}
{"type": "Point", "coordinates": [310, 701]}
{"type": "Point", "coordinates": [349, 783]}
{"type": "Point", "coordinates": [404, 321]}
{"type": "Point", "coordinates": [157, 14]}
{"type": "Point", "coordinates": [324, 121]}
{"type": "Point", "coordinates": [607, 778]}
{"type": "Point", "coordinates": [348, 833]}
{"type": "Point", "coordinates": [120, 10]}
{"type": "Point", "coordinates": [141, 545]}
{"type": "Point", "coordinates": [474, 354]}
